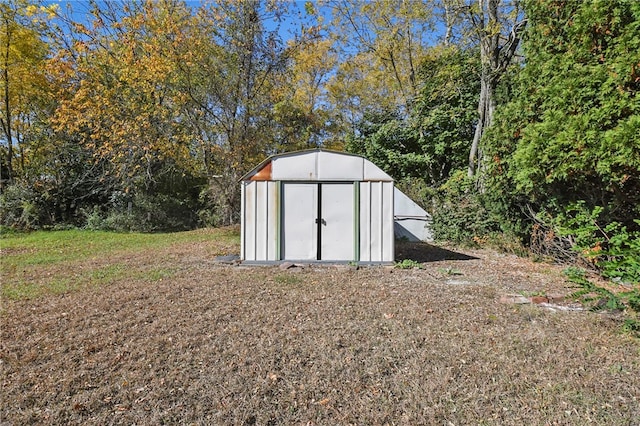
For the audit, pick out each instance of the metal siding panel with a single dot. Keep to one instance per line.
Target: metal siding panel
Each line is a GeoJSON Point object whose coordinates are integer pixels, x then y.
{"type": "Point", "coordinates": [387, 217]}
{"type": "Point", "coordinates": [376, 225]}
{"type": "Point", "coordinates": [413, 229]}
{"type": "Point", "coordinates": [243, 220]}
{"type": "Point", "coordinates": [356, 223]}
{"type": "Point", "coordinates": [337, 221]}
{"type": "Point", "coordinates": [272, 221]}
{"type": "Point", "coordinates": [295, 167]}
{"type": "Point", "coordinates": [374, 173]}
{"type": "Point", "coordinates": [262, 228]}
{"type": "Point", "coordinates": [280, 206]}
{"type": "Point", "coordinates": [250, 221]}
{"type": "Point", "coordinates": [411, 220]}
{"type": "Point", "coordinates": [303, 166]}
{"type": "Point", "coordinates": [338, 167]}
{"type": "Point", "coordinates": [405, 206]}
{"type": "Point", "coordinates": [379, 209]}
{"type": "Point", "coordinates": [365, 221]}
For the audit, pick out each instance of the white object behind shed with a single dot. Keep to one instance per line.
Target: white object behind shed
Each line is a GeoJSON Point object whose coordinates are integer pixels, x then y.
{"type": "Point", "coordinates": [317, 205]}
{"type": "Point", "coordinates": [411, 221]}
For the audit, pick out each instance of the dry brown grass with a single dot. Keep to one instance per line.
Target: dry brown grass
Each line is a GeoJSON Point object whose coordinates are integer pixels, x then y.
{"type": "Point", "coordinates": [323, 345]}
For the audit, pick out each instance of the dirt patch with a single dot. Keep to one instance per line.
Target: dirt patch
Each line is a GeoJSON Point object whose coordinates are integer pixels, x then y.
{"type": "Point", "coordinates": [222, 344]}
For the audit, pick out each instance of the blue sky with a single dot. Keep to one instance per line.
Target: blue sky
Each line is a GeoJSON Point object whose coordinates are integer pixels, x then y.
{"type": "Point", "coordinates": [80, 10]}
{"type": "Point", "coordinates": [288, 26]}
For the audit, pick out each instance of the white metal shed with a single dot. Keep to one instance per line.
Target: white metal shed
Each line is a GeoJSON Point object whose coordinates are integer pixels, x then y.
{"type": "Point", "coordinates": [317, 205]}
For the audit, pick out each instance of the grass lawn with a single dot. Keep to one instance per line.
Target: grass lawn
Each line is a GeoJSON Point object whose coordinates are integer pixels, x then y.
{"type": "Point", "coordinates": [102, 328]}
{"type": "Point", "coordinates": [60, 261]}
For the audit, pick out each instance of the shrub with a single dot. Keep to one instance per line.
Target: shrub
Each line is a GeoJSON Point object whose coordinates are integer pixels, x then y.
{"type": "Point", "coordinates": [20, 208]}
{"type": "Point", "coordinates": [461, 215]}
{"type": "Point", "coordinates": [611, 248]}
{"type": "Point", "coordinates": [614, 251]}
{"type": "Point", "coordinates": [142, 213]}
{"type": "Point", "coordinates": [94, 219]}
{"type": "Point", "coordinates": [408, 264]}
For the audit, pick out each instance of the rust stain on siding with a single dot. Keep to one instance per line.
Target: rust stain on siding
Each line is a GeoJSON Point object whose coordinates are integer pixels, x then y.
{"type": "Point", "coordinates": [264, 173]}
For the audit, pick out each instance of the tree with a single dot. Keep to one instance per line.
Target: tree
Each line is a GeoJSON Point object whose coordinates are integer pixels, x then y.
{"type": "Point", "coordinates": [390, 39]}
{"type": "Point", "coordinates": [497, 25]}
{"type": "Point", "coordinates": [433, 141]}
{"type": "Point", "coordinates": [446, 108]}
{"type": "Point", "coordinates": [228, 81]}
{"type": "Point", "coordinates": [159, 91]}
{"type": "Point", "coordinates": [383, 43]}
{"type": "Point", "coordinates": [570, 135]}
{"type": "Point", "coordinates": [22, 73]}
{"type": "Point", "coordinates": [123, 102]}
{"type": "Point", "coordinates": [302, 114]}
{"type": "Point", "coordinates": [118, 111]}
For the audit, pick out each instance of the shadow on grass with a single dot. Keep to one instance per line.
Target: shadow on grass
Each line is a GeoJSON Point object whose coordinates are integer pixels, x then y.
{"type": "Point", "coordinates": [423, 252]}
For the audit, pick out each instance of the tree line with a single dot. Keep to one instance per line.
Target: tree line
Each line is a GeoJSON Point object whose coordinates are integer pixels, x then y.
{"type": "Point", "coordinates": [511, 121]}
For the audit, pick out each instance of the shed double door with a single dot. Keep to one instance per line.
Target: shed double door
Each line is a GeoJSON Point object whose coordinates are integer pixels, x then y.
{"type": "Point", "coordinates": [318, 221]}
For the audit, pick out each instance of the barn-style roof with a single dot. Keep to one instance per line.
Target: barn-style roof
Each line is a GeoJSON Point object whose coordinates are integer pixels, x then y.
{"type": "Point", "coordinates": [317, 165]}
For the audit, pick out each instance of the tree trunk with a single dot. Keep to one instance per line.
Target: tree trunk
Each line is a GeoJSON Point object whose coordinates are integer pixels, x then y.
{"type": "Point", "coordinates": [495, 59]}
{"type": "Point", "coordinates": [486, 108]}
{"type": "Point", "coordinates": [449, 19]}
{"type": "Point", "coordinates": [6, 120]}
